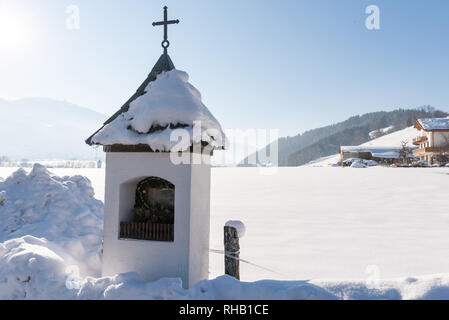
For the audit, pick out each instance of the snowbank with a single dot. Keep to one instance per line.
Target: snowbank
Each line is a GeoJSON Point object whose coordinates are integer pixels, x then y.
{"type": "Point", "coordinates": [431, 287]}
{"type": "Point", "coordinates": [62, 210]}
{"type": "Point", "coordinates": [130, 286]}
{"type": "Point", "coordinates": [171, 102]}
{"type": "Point", "coordinates": [30, 269]}
{"type": "Point", "coordinates": [358, 164]}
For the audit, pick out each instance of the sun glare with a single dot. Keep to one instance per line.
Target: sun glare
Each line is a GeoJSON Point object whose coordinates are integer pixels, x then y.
{"type": "Point", "coordinates": [13, 29]}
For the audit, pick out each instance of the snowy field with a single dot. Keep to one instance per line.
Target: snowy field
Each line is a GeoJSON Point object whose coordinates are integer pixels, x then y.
{"type": "Point", "coordinates": [327, 223]}
{"type": "Point", "coordinates": [334, 223]}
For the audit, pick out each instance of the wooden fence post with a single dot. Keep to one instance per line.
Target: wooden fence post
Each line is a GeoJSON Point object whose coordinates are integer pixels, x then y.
{"type": "Point", "coordinates": [232, 252]}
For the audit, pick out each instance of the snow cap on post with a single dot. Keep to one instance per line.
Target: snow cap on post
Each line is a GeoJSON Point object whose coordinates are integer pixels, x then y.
{"type": "Point", "coordinates": [238, 225]}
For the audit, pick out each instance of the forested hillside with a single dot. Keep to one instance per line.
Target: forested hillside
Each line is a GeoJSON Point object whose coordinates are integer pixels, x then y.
{"type": "Point", "coordinates": [320, 142]}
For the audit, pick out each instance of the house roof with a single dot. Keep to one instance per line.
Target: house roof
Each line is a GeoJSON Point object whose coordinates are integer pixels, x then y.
{"type": "Point", "coordinates": [165, 102]}
{"type": "Point", "coordinates": [432, 124]}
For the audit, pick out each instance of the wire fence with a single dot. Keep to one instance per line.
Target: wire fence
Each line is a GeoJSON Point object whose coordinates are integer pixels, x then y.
{"type": "Point", "coordinates": [251, 263]}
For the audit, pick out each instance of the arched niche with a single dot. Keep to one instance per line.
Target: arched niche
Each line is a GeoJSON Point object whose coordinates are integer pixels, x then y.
{"type": "Point", "coordinates": [147, 209]}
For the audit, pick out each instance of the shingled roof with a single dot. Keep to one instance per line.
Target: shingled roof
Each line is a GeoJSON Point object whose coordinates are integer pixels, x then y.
{"type": "Point", "coordinates": [163, 64]}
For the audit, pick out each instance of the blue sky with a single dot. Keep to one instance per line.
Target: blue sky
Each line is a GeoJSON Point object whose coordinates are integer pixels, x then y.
{"type": "Point", "coordinates": [288, 65]}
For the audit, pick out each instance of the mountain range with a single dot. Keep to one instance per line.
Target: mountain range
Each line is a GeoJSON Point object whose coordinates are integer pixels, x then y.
{"type": "Point", "coordinates": [42, 128]}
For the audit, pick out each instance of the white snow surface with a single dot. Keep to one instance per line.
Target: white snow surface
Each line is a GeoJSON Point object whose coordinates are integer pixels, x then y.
{"type": "Point", "coordinates": [394, 139]}
{"type": "Point", "coordinates": [169, 100]}
{"type": "Point", "coordinates": [377, 133]}
{"type": "Point", "coordinates": [322, 223]}
{"type": "Point", "coordinates": [238, 225]}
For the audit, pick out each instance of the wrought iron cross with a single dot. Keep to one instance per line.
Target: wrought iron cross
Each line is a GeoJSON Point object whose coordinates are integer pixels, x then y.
{"type": "Point", "coordinates": [165, 44]}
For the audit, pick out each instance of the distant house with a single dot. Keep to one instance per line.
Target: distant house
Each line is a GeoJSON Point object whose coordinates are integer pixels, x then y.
{"type": "Point", "coordinates": [433, 142]}
{"type": "Point", "coordinates": [379, 154]}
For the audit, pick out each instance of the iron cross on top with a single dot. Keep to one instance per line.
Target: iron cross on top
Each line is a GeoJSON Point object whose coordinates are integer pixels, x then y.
{"type": "Point", "coordinates": [165, 23]}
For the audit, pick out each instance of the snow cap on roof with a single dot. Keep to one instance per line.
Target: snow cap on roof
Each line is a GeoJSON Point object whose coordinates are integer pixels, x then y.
{"type": "Point", "coordinates": [429, 124]}
{"type": "Point", "coordinates": [167, 103]}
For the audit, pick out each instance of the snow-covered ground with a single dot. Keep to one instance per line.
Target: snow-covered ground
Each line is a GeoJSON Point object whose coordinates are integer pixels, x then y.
{"type": "Point", "coordinates": [308, 223]}
{"type": "Point", "coordinates": [315, 223]}
{"type": "Point", "coordinates": [380, 132]}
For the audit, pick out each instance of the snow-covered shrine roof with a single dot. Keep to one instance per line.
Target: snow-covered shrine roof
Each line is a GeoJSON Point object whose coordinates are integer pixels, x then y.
{"type": "Point", "coordinates": [164, 103]}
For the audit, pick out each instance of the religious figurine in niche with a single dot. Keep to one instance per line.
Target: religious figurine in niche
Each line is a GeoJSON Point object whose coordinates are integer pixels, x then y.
{"type": "Point", "coordinates": [155, 201]}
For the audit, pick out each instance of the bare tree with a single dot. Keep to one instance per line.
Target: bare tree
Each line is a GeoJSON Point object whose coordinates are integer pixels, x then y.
{"type": "Point", "coordinates": [405, 152]}
{"type": "Point", "coordinates": [443, 151]}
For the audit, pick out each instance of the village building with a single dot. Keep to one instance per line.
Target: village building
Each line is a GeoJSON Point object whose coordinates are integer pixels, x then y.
{"type": "Point", "coordinates": [379, 154]}
{"type": "Point", "coordinates": [433, 141]}
{"type": "Point", "coordinates": [157, 209]}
